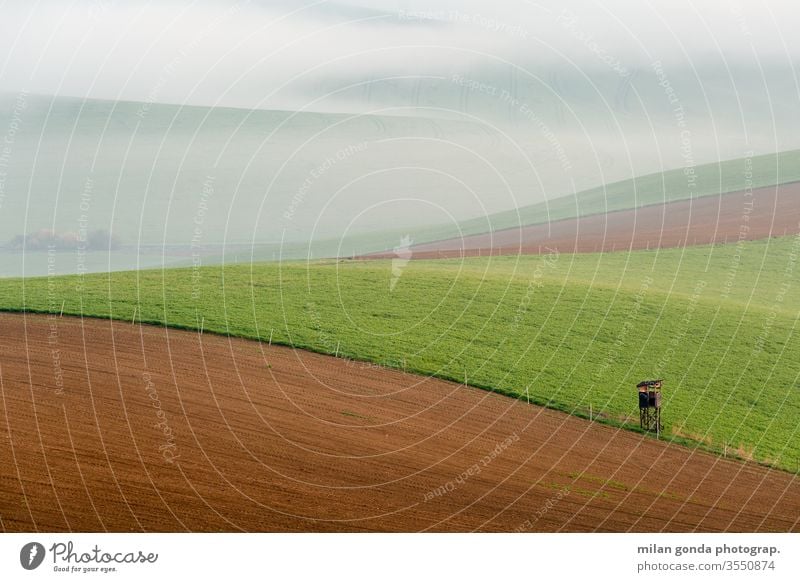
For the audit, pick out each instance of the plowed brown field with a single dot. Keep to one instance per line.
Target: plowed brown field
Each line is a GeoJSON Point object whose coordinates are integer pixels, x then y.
{"type": "Point", "coordinates": [749, 215]}
{"type": "Point", "coordinates": [111, 426]}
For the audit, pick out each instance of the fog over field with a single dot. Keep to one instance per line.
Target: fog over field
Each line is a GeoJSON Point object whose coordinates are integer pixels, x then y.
{"type": "Point", "coordinates": [198, 131]}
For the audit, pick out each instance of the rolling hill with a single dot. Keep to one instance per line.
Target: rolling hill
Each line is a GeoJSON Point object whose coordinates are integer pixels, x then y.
{"type": "Point", "coordinates": [569, 332]}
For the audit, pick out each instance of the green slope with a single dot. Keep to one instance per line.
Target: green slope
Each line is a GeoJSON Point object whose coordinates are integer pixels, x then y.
{"type": "Point", "coordinates": [719, 324]}
{"type": "Point", "coordinates": [658, 188]}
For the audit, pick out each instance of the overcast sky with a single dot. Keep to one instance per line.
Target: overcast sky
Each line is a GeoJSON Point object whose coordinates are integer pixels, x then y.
{"type": "Point", "coordinates": [251, 53]}
{"type": "Point", "coordinates": [531, 100]}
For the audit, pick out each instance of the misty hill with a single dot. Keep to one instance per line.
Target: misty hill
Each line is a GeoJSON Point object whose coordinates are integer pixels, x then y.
{"type": "Point", "coordinates": [439, 157]}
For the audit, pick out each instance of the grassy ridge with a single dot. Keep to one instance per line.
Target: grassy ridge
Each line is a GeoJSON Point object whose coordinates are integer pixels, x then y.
{"type": "Point", "coordinates": [658, 188]}
{"type": "Point", "coordinates": [570, 331]}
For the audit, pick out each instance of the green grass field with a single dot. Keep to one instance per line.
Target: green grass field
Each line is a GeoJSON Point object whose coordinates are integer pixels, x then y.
{"type": "Point", "coordinates": [570, 331]}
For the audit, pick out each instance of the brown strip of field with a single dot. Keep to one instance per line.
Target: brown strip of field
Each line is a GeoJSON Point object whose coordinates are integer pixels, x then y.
{"type": "Point", "coordinates": [111, 426]}
{"type": "Point", "coordinates": [746, 215]}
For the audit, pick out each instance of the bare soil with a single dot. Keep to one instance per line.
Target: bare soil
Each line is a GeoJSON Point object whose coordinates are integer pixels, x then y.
{"type": "Point", "coordinates": [118, 427]}
{"type": "Point", "coordinates": [745, 215]}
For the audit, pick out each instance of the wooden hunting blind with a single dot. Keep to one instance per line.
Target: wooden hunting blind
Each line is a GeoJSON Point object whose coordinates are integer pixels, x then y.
{"type": "Point", "coordinates": [650, 405]}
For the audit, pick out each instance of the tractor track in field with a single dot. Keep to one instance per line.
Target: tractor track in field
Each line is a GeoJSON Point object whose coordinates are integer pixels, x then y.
{"type": "Point", "coordinates": [727, 218]}
{"type": "Point", "coordinates": [267, 438]}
